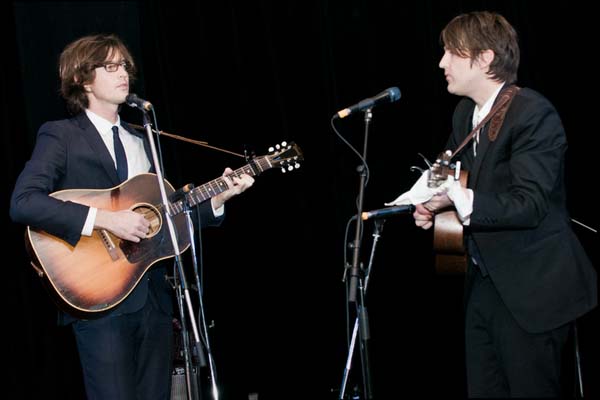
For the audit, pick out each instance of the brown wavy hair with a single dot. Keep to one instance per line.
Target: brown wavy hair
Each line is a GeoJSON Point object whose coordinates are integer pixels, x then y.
{"type": "Point", "coordinates": [468, 35]}
{"type": "Point", "coordinates": [78, 62]}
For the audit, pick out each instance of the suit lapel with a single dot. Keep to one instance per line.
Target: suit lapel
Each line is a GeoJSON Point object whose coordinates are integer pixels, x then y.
{"type": "Point", "coordinates": [92, 136]}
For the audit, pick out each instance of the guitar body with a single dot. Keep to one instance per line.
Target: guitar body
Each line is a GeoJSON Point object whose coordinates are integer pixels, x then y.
{"type": "Point", "coordinates": [101, 270]}
{"type": "Point", "coordinates": [448, 242]}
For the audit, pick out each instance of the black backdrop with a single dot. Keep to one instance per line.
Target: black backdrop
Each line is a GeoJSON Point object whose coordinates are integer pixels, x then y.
{"type": "Point", "coordinates": [247, 75]}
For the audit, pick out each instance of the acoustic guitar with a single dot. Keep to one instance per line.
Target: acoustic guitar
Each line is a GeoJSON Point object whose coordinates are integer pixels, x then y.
{"type": "Point", "coordinates": [450, 256]}
{"type": "Point", "coordinates": [97, 274]}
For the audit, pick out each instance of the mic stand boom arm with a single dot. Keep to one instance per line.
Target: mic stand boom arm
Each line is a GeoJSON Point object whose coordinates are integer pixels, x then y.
{"type": "Point", "coordinates": [188, 140]}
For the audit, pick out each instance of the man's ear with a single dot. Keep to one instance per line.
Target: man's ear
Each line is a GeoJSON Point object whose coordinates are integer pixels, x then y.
{"type": "Point", "coordinates": [485, 58]}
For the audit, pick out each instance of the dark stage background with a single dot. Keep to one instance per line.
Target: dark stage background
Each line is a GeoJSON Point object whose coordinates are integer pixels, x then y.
{"type": "Point", "coordinates": [251, 74]}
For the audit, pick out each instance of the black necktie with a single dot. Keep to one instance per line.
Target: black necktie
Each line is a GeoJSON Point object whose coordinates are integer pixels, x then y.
{"type": "Point", "coordinates": [120, 155]}
{"type": "Point", "coordinates": [476, 138]}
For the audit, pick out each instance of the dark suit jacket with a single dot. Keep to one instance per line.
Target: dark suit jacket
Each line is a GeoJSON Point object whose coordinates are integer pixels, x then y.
{"type": "Point", "coordinates": [70, 154]}
{"type": "Point", "coordinates": [520, 225]}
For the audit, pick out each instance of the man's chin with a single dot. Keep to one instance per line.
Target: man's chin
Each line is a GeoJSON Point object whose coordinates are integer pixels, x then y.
{"type": "Point", "coordinates": [122, 99]}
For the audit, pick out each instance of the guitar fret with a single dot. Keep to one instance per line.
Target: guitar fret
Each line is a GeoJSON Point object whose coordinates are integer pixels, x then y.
{"type": "Point", "coordinates": [208, 189]}
{"type": "Point", "coordinates": [257, 163]}
{"type": "Point", "coordinates": [196, 198]}
{"type": "Point", "coordinates": [218, 186]}
{"type": "Point", "coordinates": [266, 162]}
{"type": "Point", "coordinates": [175, 208]}
{"type": "Point", "coordinates": [247, 171]}
{"type": "Point", "coordinates": [192, 198]}
{"type": "Point", "coordinates": [253, 168]}
{"type": "Point", "coordinates": [202, 190]}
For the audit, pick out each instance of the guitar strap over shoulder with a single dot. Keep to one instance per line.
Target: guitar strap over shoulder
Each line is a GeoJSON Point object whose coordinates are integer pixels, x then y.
{"type": "Point", "coordinates": [496, 114]}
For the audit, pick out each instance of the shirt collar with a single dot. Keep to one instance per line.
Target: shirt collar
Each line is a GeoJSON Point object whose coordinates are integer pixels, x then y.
{"type": "Point", "coordinates": [480, 114]}
{"type": "Point", "coordinates": [102, 125]}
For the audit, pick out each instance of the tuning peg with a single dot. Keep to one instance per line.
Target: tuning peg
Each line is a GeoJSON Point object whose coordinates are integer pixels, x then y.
{"type": "Point", "coordinates": [297, 165]}
{"type": "Point", "coordinates": [284, 144]}
{"type": "Point", "coordinates": [283, 170]}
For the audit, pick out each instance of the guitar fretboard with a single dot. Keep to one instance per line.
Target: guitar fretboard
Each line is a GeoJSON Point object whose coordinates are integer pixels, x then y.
{"type": "Point", "coordinates": [216, 186]}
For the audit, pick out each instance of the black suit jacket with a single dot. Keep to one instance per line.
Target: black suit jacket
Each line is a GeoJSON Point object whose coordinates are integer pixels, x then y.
{"type": "Point", "coordinates": [520, 225]}
{"type": "Point", "coordinates": [70, 154]}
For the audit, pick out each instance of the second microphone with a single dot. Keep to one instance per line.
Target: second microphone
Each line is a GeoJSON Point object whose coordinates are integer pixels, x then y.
{"type": "Point", "coordinates": [389, 95]}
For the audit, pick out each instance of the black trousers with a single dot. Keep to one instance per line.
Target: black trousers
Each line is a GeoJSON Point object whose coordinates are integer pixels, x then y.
{"type": "Point", "coordinates": [502, 359]}
{"type": "Point", "coordinates": [127, 356]}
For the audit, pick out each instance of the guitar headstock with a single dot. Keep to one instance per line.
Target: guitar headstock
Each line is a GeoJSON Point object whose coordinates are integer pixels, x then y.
{"type": "Point", "coordinates": [442, 168]}
{"type": "Point", "coordinates": [285, 155]}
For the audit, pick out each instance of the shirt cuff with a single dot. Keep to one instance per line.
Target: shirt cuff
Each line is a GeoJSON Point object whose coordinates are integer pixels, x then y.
{"type": "Point", "coordinates": [218, 211]}
{"type": "Point", "coordinates": [88, 227]}
{"type": "Point", "coordinates": [463, 201]}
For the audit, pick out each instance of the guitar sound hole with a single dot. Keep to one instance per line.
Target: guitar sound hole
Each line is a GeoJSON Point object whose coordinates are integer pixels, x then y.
{"type": "Point", "coordinates": [151, 214]}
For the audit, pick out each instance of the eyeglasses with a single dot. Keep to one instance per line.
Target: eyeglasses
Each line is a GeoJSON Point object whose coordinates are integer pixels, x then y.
{"type": "Point", "coordinates": [114, 66]}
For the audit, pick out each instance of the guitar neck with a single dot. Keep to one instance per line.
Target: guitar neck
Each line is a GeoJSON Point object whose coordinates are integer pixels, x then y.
{"type": "Point", "coordinates": [216, 186]}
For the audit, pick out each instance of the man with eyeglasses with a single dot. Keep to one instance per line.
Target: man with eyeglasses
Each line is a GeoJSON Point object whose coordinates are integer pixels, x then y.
{"type": "Point", "coordinates": [126, 353]}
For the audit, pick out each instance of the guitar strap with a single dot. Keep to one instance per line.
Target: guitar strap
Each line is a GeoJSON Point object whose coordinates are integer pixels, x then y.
{"type": "Point", "coordinates": [496, 114]}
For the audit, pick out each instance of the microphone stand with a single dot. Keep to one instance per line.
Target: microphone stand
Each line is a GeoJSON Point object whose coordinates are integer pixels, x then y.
{"type": "Point", "coordinates": [172, 233]}
{"type": "Point", "coordinates": [355, 270]}
{"type": "Point", "coordinates": [362, 318]}
{"type": "Point", "coordinates": [192, 387]}
{"type": "Point", "coordinates": [201, 313]}
{"type": "Point", "coordinates": [356, 283]}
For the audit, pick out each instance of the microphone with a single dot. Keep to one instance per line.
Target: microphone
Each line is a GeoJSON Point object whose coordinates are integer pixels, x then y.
{"type": "Point", "coordinates": [387, 212]}
{"type": "Point", "coordinates": [133, 100]}
{"type": "Point", "coordinates": [389, 95]}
